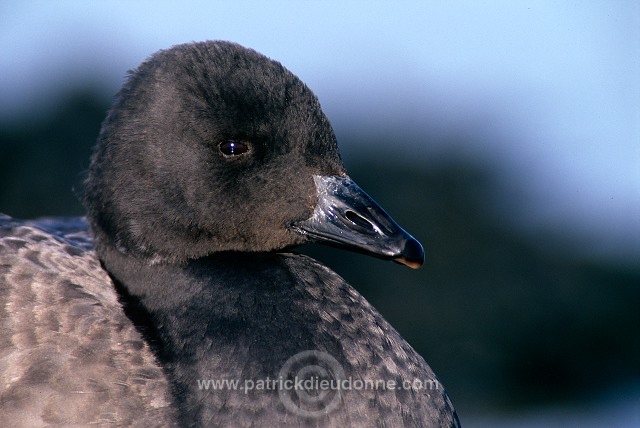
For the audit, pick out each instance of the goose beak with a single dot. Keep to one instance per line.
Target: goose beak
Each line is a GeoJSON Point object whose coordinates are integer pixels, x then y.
{"type": "Point", "coordinates": [345, 216]}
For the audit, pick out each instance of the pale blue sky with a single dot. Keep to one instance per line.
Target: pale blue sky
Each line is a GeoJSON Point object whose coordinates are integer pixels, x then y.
{"type": "Point", "coordinates": [553, 84]}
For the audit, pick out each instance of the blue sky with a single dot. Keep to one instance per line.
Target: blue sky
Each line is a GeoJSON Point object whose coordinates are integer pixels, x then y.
{"type": "Point", "coordinates": [554, 86]}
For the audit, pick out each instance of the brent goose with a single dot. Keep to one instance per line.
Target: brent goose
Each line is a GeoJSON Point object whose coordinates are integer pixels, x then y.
{"type": "Point", "coordinates": [178, 301]}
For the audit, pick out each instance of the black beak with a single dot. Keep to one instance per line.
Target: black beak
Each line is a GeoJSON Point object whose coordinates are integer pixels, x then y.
{"type": "Point", "coordinates": [345, 216]}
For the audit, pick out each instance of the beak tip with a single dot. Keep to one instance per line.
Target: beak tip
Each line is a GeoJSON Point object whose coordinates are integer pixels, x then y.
{"type": "Point", "coordinates": [412, 255]}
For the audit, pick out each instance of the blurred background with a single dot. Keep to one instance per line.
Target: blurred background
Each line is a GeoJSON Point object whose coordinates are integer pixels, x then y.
{"type": "Point", "coordinates": [504, 135]}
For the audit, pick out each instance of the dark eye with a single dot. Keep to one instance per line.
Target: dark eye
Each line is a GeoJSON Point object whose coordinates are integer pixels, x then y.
{"type": "Point", "coordinates": [233, 148]}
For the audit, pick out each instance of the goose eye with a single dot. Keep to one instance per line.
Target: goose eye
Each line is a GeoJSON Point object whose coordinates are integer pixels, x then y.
{"type": "Point", "coordinates": [233, 148]}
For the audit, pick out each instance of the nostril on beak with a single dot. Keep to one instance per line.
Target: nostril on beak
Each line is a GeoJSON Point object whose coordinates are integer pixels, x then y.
{"type": "Point", "coordinates": [357, 219]}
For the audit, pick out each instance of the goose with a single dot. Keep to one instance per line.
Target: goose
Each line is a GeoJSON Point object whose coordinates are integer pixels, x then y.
{"type": "Point", "coordinates": [179, 300]}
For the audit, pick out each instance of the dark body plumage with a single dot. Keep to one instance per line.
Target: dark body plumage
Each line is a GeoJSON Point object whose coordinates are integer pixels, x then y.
{"type": "Point", "coordinates": [188, 277]}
